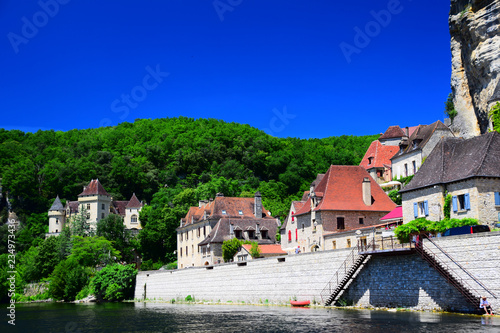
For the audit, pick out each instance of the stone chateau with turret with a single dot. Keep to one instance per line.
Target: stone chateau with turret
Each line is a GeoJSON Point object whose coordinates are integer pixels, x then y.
{"type": "Point", "coordinates": [96, 204]}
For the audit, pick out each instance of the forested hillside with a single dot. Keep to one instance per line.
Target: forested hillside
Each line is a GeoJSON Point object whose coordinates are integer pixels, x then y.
{"type": "Point", "coordinates": [169, 163]}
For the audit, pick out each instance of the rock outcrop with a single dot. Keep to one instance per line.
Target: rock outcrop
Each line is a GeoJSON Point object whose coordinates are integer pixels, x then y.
{"type": "Point", "coordinates": [475, 48]}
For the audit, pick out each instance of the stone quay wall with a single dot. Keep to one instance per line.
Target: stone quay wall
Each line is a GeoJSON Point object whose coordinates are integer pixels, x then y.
{"type": "Point", "coordinates": [408, 281]}
{"type": "Point", "coordinates": [301, 276]}
{"type": "Point", "coordinates": [385, 281]}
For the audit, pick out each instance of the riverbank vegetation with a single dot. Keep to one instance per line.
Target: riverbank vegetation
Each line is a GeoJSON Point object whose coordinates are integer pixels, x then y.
{"type": "Point", "coordinates": [168, 163]}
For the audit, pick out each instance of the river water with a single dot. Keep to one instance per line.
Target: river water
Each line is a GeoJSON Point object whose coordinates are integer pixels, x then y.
{"type": "Point", "coordinates": [161, 317]}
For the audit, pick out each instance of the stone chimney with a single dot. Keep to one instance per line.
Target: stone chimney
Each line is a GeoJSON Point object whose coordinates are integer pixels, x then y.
{"type": "Point", "coordinates": [407, 131]}
{"type": "Point", "coordinates": [367, 191]}
{"type": "Point", "coordinates": [257, 210]}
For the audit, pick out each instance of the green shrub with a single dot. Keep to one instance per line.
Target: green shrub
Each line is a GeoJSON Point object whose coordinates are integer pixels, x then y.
{"type": "Point", "coordinates": [189, 298]}
{"type": "Point", "coordinates": [404, 231]}
{"type": "Point", "coordinates": [68, 279]}
{"type": "Point", "coordinates": [114, 283]}
{"type": "Point", "coordinates": [149, 265]}
{"type": "Point", "coordinates": [254, 250]}
{"type": "Point", "coordinates": [395, 197]}
{"type": "Point", "coordinates": [230, 248]}
{"type": "Point", "coordinates": [172, 265]}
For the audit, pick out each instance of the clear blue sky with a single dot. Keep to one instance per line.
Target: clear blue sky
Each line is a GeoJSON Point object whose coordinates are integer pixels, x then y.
{"type": "Point", "coordinates": [292, 68]}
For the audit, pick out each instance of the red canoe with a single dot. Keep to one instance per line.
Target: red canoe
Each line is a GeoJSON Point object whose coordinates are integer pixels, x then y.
{"type": "Point", "coordinates": [300, 303]}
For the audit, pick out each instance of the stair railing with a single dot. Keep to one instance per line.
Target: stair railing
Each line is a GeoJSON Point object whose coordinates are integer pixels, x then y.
{"type": "Point", "coordinates": [476, 280]}
{"type": "Point", "coordinates": [341, 272]}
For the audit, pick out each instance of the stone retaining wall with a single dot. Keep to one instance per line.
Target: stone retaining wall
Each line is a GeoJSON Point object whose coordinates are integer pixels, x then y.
{"type": "Point", "coordinates": [392, 281]}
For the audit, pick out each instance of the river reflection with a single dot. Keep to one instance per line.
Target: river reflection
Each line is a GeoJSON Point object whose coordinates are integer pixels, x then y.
{"type": "Point", "coordinates": [161, 317]}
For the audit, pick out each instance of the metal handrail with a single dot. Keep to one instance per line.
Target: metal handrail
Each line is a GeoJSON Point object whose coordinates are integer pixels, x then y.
{"type": "Point", "coordinates": [460, 266]}
{"type": "Point", "coordinates": [343, 269]}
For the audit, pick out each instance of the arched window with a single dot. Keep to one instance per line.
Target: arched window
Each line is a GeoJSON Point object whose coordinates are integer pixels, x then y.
{"type": "Point", "coordinates": [133, 219]}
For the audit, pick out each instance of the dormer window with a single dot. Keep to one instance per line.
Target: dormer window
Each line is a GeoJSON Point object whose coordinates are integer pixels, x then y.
{"type": "Point", "coordinates": [240, 212]}
{"type": "Point", "coordinates": [370, 160]}
{"type": "Point", "coordinates": [224, 212]}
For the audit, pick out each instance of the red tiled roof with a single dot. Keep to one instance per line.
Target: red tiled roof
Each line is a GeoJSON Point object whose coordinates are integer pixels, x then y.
{"type": "Point", "coordinates": [393, 132]}
{"type": "Point", "coordinates": [94, 188]}
{"type": "Point", "coordinates": [134, 202]}
{"type": "Point", "coordinates": [380, 153]}
{"type": "Point", "coordinates": [267, 248]}
{"type": "Point", "coordinates": [342, 188]}
{"type": "Point", "coordinates": [396, 213]}
{"type": "Point", "coordinates": [230, 205]}
{"type": "Point", "coordinates": [305, 195]}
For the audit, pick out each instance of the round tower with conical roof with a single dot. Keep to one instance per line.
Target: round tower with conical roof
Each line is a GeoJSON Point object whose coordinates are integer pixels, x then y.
{"type": "Point", "coordinates": [57, 217]}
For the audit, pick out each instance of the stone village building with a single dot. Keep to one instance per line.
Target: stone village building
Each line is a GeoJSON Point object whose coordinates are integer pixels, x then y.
{"type": "Point", "coordinates": [468, 170]}
{"type": "Point", "coordinates": [97, 204]}
{"type": "Point", "coordinates": [339, 202]}
{"type": "Point", "coordinates": [204, 228]}
{"type": "Point", "coordinates": [415, 147]}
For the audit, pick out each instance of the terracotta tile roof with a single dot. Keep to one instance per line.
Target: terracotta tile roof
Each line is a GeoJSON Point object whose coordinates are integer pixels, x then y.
{"type": "Point", "coordinates": [94, 188]}
{"type": "Point", "coordinates": [455, 159]}
{"type": "Point", "coordinates": [397, 213]}
{"type": "Point", "coordinates": [225, 207]}
{"type": "Point", "coordinates": [266, 248]}
{"type": "Point", "coordinates": [380, 155]}
{"type": "Point", "coordinates": [222, 230]}
{"type": "Point", "coordinates": [392, 132]}
{"type": "Point", "coordinates": [134, 202]}
{"type": "Point", "coordinates": [305, 195]}
{"type": "Point", "coordinates": [342, 188]}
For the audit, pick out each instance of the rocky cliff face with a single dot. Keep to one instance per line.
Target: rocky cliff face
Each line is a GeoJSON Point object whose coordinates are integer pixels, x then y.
{"type": "Point", "coordinates": [475, 47]}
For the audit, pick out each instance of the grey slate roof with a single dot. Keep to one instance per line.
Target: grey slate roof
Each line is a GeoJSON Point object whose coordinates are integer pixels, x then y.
{"type": "Point", "coordinates": [421, 136]}
{"type": "Point", "coordinates": [221, 230]}
{"type": "Point", "coordinates": [57, 205]}
{"type": "Point", "coordinates": [455, 159]}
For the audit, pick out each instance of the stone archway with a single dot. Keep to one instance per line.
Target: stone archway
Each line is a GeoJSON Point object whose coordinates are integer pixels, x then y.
{"type": "Point", "coordinates": [314, 248]}
{"type": "Point", "coordinates": [206, 263]}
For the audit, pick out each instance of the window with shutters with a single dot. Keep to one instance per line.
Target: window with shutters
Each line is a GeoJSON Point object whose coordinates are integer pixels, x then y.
{"type": "Point", "coordinates": [461, 202]}
{"type": "Point", "coordinates": [421, 209]}
{"type": "Point", "coordinates": [497, 198]}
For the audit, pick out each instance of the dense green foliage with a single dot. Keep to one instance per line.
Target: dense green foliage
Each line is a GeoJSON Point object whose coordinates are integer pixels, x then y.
{"type": "Point", "coordinates": [254, 250]}
{"type": "Point", "coordinates": [114, 283]}
{"type": "Point", "coordinates": [93, 251]}
{"type": "Point", "coordinates": [230, 248]}
{"type": "Point", "coordinates": [404, 231]}
{"type": "Point", "coordinates": [447, 206]}
{"type": "Point", "coordinates": [395, 197]}
{"type": "Point", "coordinates": [169, 163]}
{"type": "Point", "coordinates": [68, 278]}
{"type": "Point", "coordinates": [449, 109]}
{"type": "Point", "coordinates": [494, 115]}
